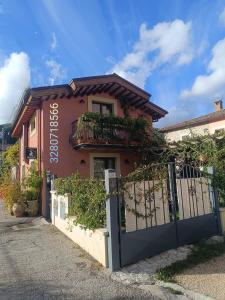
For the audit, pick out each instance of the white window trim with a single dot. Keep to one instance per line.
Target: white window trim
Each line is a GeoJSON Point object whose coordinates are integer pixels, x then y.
{"type": "Point", "coordinates": [92, 99]}
{"type": "Point", "coordinates": [95, 155]}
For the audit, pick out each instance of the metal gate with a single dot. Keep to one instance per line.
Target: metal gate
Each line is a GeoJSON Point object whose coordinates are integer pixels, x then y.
{"type": "Point", "coordinates": [162, 207]}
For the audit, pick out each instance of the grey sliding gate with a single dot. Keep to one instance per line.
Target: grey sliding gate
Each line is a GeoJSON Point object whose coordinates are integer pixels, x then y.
{"type": "Point", "coordinates": [162, 207]}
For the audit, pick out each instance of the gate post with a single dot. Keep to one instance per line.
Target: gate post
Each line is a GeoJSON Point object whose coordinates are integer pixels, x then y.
{"type": "Point", "coordinates": [216, 203]}
{"type": "Point", "coordinates": [112, 220]}
{"type": "Point", "coordinates": [172, 185]}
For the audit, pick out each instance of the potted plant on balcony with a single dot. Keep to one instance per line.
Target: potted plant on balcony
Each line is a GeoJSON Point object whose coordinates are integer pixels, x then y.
{"type": "Point", "coordinates": [110, 129]}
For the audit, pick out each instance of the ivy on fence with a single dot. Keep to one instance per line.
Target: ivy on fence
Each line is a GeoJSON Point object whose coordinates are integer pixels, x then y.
{"type": "Point", "coordinates": [87, 201]}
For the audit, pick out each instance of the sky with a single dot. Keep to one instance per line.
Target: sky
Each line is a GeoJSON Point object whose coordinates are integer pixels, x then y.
{"type": "Point", "coordinates": [173, 49]}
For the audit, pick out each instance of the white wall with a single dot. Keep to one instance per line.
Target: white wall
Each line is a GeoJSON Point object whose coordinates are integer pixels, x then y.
{"type": "Point", "coordinates": [177, 135]}
{"type": "Point", "coordinates": [93, 242]}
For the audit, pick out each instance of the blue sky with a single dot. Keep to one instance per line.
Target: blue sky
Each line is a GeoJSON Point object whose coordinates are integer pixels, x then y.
{"type": "Point", "coordinates": [173, 49]}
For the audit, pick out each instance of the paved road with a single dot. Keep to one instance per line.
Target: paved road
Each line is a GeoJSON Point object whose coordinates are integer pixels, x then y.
{"type": "Point", "coordinates": [39, 262]}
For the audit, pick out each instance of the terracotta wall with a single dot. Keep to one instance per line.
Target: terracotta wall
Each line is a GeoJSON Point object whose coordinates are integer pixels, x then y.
{"type": "Point", "coordinates": [70, 110]}
{"type": "Point", "coordinates": [28, 139]}
{"type": "Point", "coordinates": [69, 161]}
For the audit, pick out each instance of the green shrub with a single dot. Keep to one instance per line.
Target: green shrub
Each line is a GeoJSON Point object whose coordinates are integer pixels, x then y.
{"type": "Point", "coordinates": [108, 126]}
{"type": "Point", "coordinates": [11, 193]}
{"type": "Point", "coordinates": [87, 202]}
{"type": "Point", "coordinates": [30, 195]}
{"type": "Point", "coordinates": [33, 180]}
{"type": "Point", "coordinates": [10, 159]}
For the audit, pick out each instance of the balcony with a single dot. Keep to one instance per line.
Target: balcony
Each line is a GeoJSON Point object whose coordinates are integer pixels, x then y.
{"type": "Point", "coordinates": [93, 130]}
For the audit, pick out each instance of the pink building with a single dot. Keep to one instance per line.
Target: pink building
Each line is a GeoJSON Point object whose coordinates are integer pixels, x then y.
{"type": "Point", "coordinates": [47, 121]}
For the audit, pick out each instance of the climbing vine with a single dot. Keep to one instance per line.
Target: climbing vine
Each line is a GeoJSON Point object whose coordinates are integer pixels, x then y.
{"type": "Point", "coordinates": [87, 201]}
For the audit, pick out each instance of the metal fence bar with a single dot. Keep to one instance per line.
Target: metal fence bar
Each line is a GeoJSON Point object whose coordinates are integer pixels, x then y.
{"type": "Point", "coordinates": [135, 206]}
{"type": "Point", "coordinates": [123, 205]}
{"type": "Point", "coordinates": [162, 189]}
{"type": "Point", "coordinates": [149, 198]}
{"type": "Point", "coordinates": [181, 193]}
{"type": "Point", "coordinates": [196, 195]}
{"type": "Point", "coordinates": [112, 219]}
{"type": "Point", "coordinates": [210, 192]}
{"type": "Point", "coordinates": [203, 204]}
{"type": "Point", "coordinates": [188, 190]}
{"type": "Point", "coordinates": [172, 183]}
{"type": "Point", "coordinates": [217, 209]}
{"type": "Point", "coordinates": [146, 217]}
{"type": "Point", "coordinates": [191, 191]}
{"type": "Point", "coordinates": [153, 186]}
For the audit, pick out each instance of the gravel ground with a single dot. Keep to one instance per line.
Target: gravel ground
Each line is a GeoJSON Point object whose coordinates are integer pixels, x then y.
{"type": "Point", "coordinates": [207, 278]}
{"type": "Point", "coordinates": [39, 262]}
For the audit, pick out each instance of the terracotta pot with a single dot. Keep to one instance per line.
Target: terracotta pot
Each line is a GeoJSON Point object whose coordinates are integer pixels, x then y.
{"type": "Point", "coordinates": [18, 210]}
{"type": "Point", "coordinates": [32, 208]}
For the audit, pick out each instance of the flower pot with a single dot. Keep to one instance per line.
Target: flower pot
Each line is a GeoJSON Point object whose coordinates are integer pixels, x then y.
{"type": "Point", "coordinates": [18, 210]}
{"type": "Point", "coordinates": [32, 208]}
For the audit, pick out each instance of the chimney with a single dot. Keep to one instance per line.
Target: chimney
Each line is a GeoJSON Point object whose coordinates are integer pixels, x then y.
{"type": "Point", "coordinates": [218, 105]}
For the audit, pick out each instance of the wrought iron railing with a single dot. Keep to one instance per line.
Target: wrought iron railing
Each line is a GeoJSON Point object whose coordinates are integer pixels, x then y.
{"type": "Point", "coordinates": [103, 133]}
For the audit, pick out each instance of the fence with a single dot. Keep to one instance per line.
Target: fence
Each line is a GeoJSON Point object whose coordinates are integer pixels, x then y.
{"type": "Point", "coordinates": [162, 207]}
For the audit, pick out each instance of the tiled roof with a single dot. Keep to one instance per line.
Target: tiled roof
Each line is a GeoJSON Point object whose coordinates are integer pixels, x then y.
{"type": "Point", "coordinates": [209, 118]}
{"type": "Point", "coordinates": [111, 84]}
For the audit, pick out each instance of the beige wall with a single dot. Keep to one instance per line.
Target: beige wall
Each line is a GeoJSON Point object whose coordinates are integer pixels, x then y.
{"type": "Point", "coordinates": [201, 130]}
{"type": "Point", "coordinates": [94, 242]}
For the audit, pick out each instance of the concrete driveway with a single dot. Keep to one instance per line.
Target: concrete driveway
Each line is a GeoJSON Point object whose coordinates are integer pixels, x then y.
{"type": "Point", "coordinates": [39, 262]}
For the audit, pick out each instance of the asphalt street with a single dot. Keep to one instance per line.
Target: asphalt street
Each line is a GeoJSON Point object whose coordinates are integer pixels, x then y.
{"type": "Point", "coordinates": [39, 262]}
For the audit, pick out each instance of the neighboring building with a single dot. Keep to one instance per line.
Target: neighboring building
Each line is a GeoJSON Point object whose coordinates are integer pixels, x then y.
{"type": "Point", "coordinates": [47, 120]}
{"type": "Point", "coordinates": [207, 124]}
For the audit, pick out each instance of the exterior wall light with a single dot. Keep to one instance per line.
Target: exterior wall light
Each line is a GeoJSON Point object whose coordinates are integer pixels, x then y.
{"type": "Point", "coordinates": [82, 100]}
{"type": "Point", "coordinates": [82, 162]}
{"type": "Point", "coordinates": [126, 161]}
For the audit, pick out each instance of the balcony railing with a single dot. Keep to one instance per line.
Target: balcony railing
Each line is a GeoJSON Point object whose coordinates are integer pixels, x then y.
{"type": "Point", "coordinates": [90, 133]}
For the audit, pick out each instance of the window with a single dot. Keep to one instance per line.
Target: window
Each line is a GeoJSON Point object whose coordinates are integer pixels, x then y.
{"type": "Point", "coordinates": [102, 108]}
{"type": "Point", "coordinates": [32, 124]}
{"type": "Point", "coordinates": [101, 164]}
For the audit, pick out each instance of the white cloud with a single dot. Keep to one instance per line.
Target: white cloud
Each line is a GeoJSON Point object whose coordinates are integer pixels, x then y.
{"type": "Point", "coordinates": [166, 42]}
{"type": "Point", "coordinates": [212, 84]}
{"type": "Point", "coordinates": [222, 17]}
{"type": "Point", "coordinates": [14, 78]}
{"type": "Point", "coordinates": [54, 42]}
{"type": "Point", "coordinates": [177, 114]}
{"type": "Point", "coordinates": [57, 73]}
